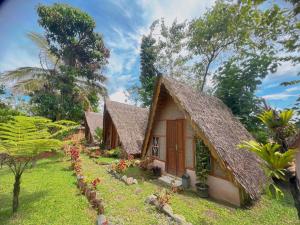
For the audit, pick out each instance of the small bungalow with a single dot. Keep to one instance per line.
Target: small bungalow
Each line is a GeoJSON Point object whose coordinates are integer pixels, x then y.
{"type": "Point", "coordinates": [92, 121]}
{"type": "Point", "coordinates": [124, 126]}
{"type": "Point", "coordinates": [179, 119]}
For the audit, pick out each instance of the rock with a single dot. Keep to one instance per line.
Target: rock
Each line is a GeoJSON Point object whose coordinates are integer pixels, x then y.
{"type": "Point", "coordinates": [124, 178]}
{"type": "Point", "coordinates": [167, 210]}
{"type": "Point", "coordinates": [118, 176]}
{"type": "Point", "coordinates": [129, 181]}
{"type": "Point", "coordinates": [151, 199]}
{"type": "Point", "coordinates": [135, 181]}
{"type": "Point", "coordinates": [179, 219]}
{"type": "Point", "coordinates": [101, 220]}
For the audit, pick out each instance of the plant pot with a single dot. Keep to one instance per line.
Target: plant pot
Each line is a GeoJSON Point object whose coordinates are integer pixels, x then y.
{"type": "Point", "coordinates": [156, 171]}
{"type": "Point", "coordinates": [93, 195]}
{"type": "Point", "coordinates": [202, 190]}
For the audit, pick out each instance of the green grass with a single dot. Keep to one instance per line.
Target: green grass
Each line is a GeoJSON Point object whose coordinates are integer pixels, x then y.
{"type": "Point", "coordinates": [48, 196]}
{"type": "Point", "coordinates": [139, 174]}
{"type": "Point", "coordinates": [125, 204]}
{"type": "Point", "coordinates": [105, 160]}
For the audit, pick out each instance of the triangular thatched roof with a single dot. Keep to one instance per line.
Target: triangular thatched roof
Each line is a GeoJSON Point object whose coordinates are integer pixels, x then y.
{"type": "Point", "coordinates": [130, 122]}
{"type": "Point", "coordinates": [93, 121]}
{"type": "Point", "coordinates": [211, 118]}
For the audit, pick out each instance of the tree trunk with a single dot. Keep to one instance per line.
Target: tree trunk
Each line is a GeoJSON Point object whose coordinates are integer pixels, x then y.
{"type": "Point", "coordinates": [16, 192]}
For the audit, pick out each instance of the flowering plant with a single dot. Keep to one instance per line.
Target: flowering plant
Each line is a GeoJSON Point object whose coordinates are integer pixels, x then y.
{"type": "Point", "coordinates": [121, 166]}
{"type": "Point", "coordinates": [145, 163]}
{"type": "Point", "coordinates": [95, 182]}
{"type": "Point", "coordinates": [77, 167]}
{"type": "Point", "coordinates": [163, 197]}
{"type": "Point", "coordinates": [74, 152]}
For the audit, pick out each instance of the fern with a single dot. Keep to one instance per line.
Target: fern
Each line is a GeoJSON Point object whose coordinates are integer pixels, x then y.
{"type": "Point", "coordinates": [22, 139]}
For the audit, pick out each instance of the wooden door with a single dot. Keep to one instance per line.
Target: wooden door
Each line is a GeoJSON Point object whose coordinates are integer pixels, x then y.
{"type": "Point", "coordinates": [175, 147]}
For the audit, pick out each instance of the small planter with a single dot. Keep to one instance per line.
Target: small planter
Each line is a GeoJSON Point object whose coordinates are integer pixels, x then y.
{"type": "Point", "coordinates": [202, 190]}
{"type": "Point", "coordinates": [156, 171]}
{"type": "Point", "coordinates": [93, 195]}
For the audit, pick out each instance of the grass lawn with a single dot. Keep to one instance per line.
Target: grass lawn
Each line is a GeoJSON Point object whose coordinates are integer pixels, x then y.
{"type": "Point", "coordinates": [48, 196]}
{"type": "Point", "coordinates": [125, 204]}
{"type": "Point", "coordinates": [105, 160]}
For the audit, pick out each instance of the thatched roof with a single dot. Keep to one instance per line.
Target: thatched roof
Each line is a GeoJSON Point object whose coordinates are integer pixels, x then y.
{"type": "Point", "coordinates": [93, 121]}
{"type": "Point", "coordinates": [130, 122]}
{"type": "Point", "coordinates": [211, 118]}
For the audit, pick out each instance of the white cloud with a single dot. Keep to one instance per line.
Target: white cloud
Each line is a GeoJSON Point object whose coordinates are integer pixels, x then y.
{"type": "Point", "coordinates": [120, 95]}
{"type": "Point", "coordinates": [285, 70]}
{"type": "Point", "coordinates": [11, 60]}
{"type": "Point", "coordinates": [170, 10]}
{"type": "Point", "coordinates": [116, 63]}
{"type": "Point", "coordinates": [293, 89]}
{"type": "Point", "coordinates": [279, 96]}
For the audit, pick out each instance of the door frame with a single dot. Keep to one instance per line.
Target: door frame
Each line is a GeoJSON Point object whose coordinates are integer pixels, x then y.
{"type": "Point", "coordinates": [183, 143]}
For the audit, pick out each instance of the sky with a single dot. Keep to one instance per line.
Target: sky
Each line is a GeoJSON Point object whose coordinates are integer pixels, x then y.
{"type": "Point", "coordinates": [122, 23]}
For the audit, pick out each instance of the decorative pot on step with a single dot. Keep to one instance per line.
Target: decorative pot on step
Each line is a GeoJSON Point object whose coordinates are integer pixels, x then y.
{"type": "Point", "coordinates": [156, 171]}
{"type": "Point", "coordinates": [202, 190]}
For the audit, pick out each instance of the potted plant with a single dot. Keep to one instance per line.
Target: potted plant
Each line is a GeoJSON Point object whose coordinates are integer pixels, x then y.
{"type": "Point", "coordinates": [156, 171]}
{"type": "Point", "coordinates": [202, 168]}
{"type": "Point", "coordinates": [93, 193]}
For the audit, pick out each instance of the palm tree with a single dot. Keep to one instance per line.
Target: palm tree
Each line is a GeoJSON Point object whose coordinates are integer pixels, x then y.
{"type": "Point", "coordinates": [26, 80]}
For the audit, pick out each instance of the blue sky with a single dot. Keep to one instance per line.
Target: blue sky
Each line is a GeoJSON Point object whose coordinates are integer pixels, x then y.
{"type": "Point", "coordinates": [122, 24]}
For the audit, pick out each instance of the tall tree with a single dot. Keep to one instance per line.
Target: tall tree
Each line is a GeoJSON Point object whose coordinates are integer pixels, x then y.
{"type": "Point", "coordinates": [148, 71]}
{"type": "Point", "coordinates": [230, 29]}
{"type": "Point", "coordinates": [236, 83]}
{"type": "Point", "coordinates": [172, 55]}
{"type": "Point", "coordinates": [72, 57]}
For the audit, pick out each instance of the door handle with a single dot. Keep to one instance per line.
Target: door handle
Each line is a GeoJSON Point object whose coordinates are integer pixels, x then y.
{"type": "Point", "coordinates": [176, 147]}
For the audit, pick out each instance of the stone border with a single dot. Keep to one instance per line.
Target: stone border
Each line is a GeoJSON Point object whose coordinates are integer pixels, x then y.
{"type": "Point", "coordinates": [167, 210]}
{"type": "Point", "coordinates": [124, 178]}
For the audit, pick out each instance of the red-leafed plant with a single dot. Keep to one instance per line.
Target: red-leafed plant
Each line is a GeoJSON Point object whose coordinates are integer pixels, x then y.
{"type": "Point", "coordinates": [95, 182]}
{"type": "Point", "coordinates": [121, 166]}
{"type": "Point", "coordinates": [74, 152]}
{"type": "Point", "coordinates": [77, 167]}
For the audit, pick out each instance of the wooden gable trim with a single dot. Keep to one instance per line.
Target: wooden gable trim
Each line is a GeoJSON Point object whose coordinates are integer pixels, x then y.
{"type": "Point", "coordinates": [151, 117]}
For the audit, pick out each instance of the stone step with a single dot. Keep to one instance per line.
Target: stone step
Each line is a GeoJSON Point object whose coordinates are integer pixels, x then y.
{"type": "Point", "coordinates": [168, 179]}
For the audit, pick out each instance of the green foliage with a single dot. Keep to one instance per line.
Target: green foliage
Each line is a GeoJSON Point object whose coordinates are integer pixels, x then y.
{"type": "Point", "coordinates": [280, 125]}
{"type": "Point", "coordinates": [277, 162]}
{"type": "Point", "coordinates": [202, 161]}
{"type": "Point", "coordinates": [72, 59]}
{"type": "Point", "coordinates": [148, 71]}
{"type": "Point", "coordinates": [99, 134]}
{"type": "Point", "coordinates": [162, 53]}
{"type": "Point", "coordinates": [236, 83]}
{"type": "Point", "coordinates": [21, 137]}
{"type": "Point", "coordinates": [114, 153]}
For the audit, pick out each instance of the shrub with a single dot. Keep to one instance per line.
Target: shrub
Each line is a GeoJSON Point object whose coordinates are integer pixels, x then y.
{"type": "Point", "coordinates": [163, 197]}
{"type": "Point", "coordinates": [121, 166]}
{"type": "Point", "coordinates": [114, 153]}
{"type": "Point", "coordinates": [145, 163]}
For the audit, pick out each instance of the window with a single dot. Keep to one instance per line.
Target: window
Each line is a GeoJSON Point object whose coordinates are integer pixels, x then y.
{"type": "Point", "coordinates": [155, 146]}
